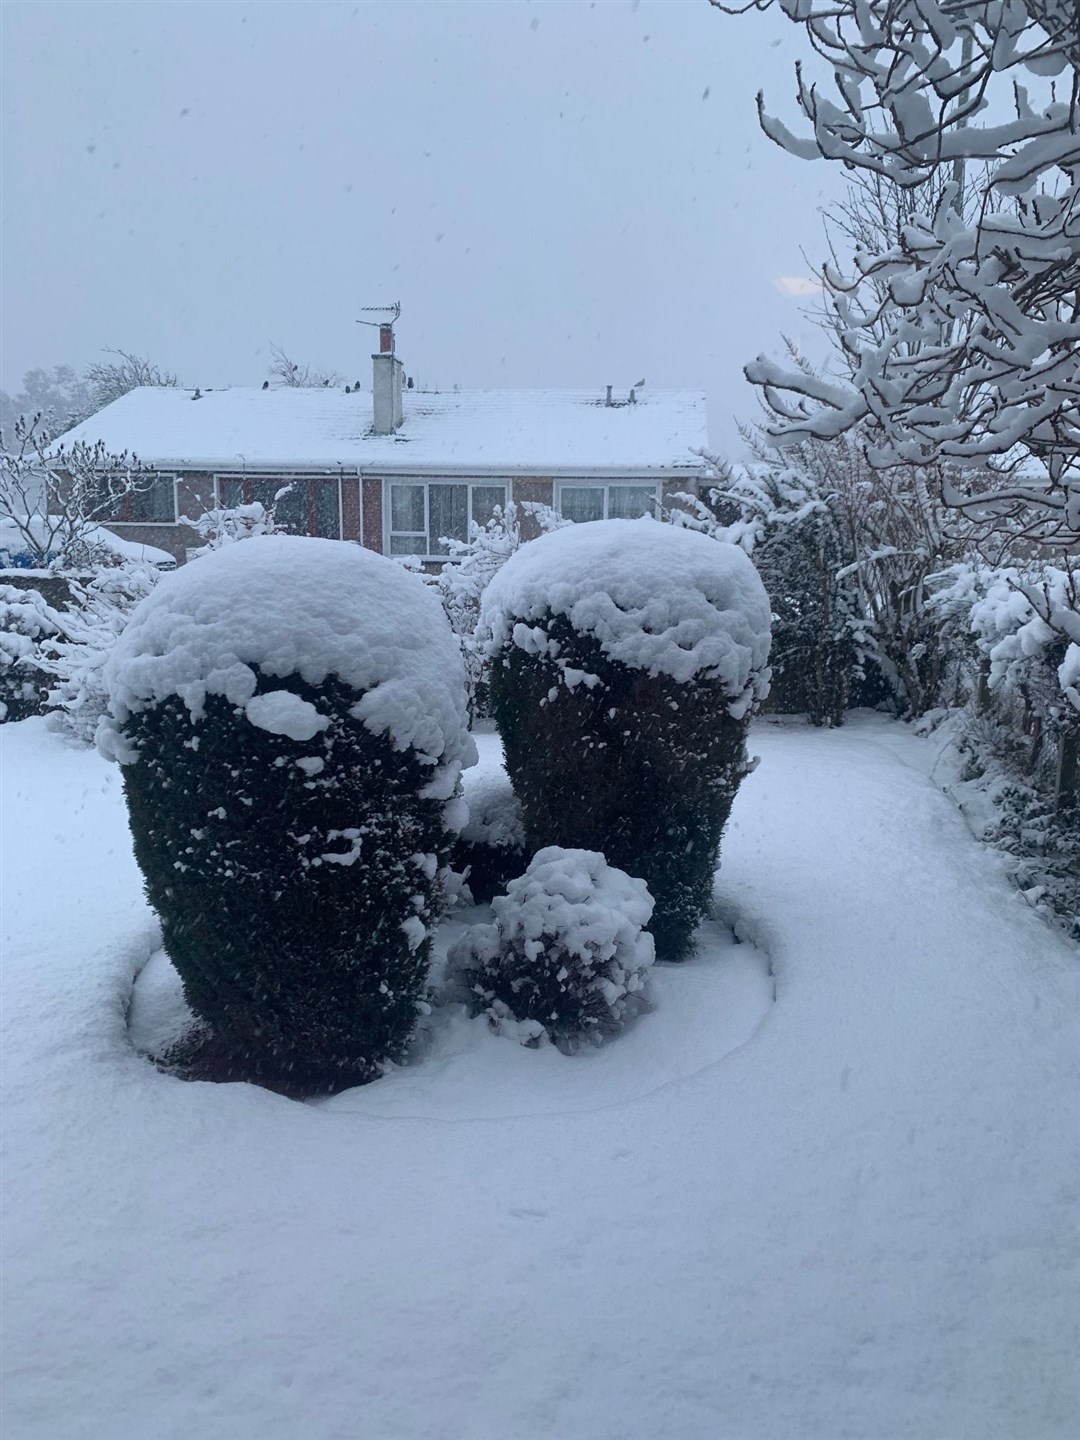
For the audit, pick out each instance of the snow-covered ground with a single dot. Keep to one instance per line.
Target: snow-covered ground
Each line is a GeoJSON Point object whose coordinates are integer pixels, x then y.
{"type": "Point", "coordinates": [851, 1213]}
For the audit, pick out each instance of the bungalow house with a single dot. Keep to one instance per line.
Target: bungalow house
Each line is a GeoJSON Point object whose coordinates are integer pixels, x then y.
{"type": "Point", "coordinates": [395, 468]}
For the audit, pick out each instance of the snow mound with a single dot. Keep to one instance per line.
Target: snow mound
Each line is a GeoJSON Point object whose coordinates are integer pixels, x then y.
{"type": "Point", "coordinates": [290, 605]}
{"type": "Point", "coordinates": [15, 552]}
{"type": "Point", "coordinates": [280, 712]}
{"type": "Point", "coordinates": [494, 811]}
{"type": "Point", "coordinates": [658, 598]}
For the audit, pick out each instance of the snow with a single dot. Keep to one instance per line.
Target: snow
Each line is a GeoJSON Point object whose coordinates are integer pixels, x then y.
{"type": "Point", "coordinates": [658, 597]}
{"type": "Point", "coordinates": [293, 605]}
{"type": "Point", "coordinates": [1069, 675]}
{"type": "Point", "coordinates": [494, 810]}
{"type": "Point", "coordinates": [1021, 614]}
{"type": "Point", "coordinates": [544, 432]}
{"type": "Point", "coordinates": [130, 550]}
{"type": "Point", "coordinates": [852, 1213]}
{"type": "Point", "coordinates": [280, 712]}
{"type": "Point", "coordinates": [973, 355]}
{"type": "Point", "coordinates": [13, 545]}
{"type": "Point", "coordinates": [575, 894]}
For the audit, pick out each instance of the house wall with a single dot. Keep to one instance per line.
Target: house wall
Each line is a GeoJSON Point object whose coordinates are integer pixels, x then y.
{"type": "Point", "coordinates": [194, 495]}
{"type": "Point", "coordinates": [372, 513]}
{"type": "Point", "coordinates": [350, 507]}
{"type": "Point", "coordinates": [539, 492]}
{"type": "Point", "coordinates": [361, 509]}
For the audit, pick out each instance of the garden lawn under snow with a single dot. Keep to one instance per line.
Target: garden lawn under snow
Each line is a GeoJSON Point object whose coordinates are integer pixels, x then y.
{"type": "Point", "coordinates": [851, 1213]}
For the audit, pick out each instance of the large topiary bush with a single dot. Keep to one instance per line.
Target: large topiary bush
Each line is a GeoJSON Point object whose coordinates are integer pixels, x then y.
{"type": "Point", "coordinates": [291, 718]}
{"type": "Point", "coordinates": [627, 659]}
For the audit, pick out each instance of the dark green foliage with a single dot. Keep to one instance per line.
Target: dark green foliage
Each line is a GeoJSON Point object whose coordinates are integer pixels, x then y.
{"type": "Point", "coordinates": [554, 990]}
{"type": "Point", "coordinates": [813, 655]}
{"type": "Point", "coordinates": [28, 626]}
{"type": "Point", "coordinates": [490, 867]}
{"type": "Point", "coordinates": [639, 767]}
{"type": "Point", "coordinates": [298, 965]}
{"type": "Point", "coordinates": [559, 991]}
{"type": "Point", "coordinates": [869, 688]}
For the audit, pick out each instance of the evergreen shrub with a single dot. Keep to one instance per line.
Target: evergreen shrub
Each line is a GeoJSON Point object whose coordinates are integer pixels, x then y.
{"type": "Point", "coordinates": [28, 625]}
{"type": "Point", "coordinates": [490, 851]}
{"type": "Point", "coordinates": [566, 955]}
{"type": "Point", "coordinates": [628, 658]}
{"type": "Point", "coordinates": [290, 776]}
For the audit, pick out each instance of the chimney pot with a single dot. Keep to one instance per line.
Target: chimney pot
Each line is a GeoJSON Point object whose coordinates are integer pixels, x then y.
{"type": "Point", "coordinates": [386, 339]}
{"type": "Point", "coordinates": [608, 401]}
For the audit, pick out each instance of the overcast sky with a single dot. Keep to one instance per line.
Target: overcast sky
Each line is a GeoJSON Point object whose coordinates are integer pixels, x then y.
{"type": "Point", "coordinates": [559, 194]}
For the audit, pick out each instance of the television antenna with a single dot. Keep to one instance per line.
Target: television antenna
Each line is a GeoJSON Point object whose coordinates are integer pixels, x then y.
{"type": "Point", "coordinates": [389, 312]}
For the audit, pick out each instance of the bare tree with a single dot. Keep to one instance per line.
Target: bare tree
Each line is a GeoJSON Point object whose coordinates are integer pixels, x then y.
{"type": "Point", "coordinates": [64, 398]}
{"type": "Point", "coordinates": [108, 380]}
{"type": "Point", "coordinates": [961, 336]}
{"type": "Point", "coordinates": [54, 498]}
{"type": "Point", "coordinates": [298, 376]}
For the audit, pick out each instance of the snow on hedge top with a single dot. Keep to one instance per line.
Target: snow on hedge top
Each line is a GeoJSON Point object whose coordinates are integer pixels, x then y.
{"type": "Point", "coordinates": [291, 605]}
{"type": "Point", "coordinates": [658, 598]}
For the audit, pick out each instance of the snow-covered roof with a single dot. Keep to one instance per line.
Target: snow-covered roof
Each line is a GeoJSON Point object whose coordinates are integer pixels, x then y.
{"type": "Point", "coordinates": [542, 432]}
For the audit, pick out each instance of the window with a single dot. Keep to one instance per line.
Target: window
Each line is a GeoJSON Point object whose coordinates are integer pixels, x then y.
{"type": "Point", "coordinates": [304, 504]}
{"type": "Point", "coordinates": [582, 502]}
{"type": "Point", "coordinates": [607, 502]}
{"type": "Point", "coordinates": [152, 501]}
{"type": "Point", "coordinates": [424, 514]}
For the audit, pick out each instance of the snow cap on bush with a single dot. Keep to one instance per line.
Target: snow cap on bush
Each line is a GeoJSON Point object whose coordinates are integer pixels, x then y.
{"type": "Point", "coordinates": [657, 597]}
{"type": "Point", "coordinates": [567, 953]}
{"type": "Point", "coordinates": [290, 605]}
{"type": "Point", "coordinates": [494, 811]}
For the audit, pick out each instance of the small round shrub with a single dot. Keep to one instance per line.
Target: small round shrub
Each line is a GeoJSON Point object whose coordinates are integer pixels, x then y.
{"type": "Point", "coordinates": [27, 626]}
{"type": "Point", "coordinates": [490, 851]}
{"type": "Point", "coordinates": [291, 718]}
{"type": "Point", "coordinates": [567, 954]}
{"type": "Point", "coordinates": [627, 660]}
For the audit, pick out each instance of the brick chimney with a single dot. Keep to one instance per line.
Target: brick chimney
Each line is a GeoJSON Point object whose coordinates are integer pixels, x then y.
{"type": "Point", "coordinates": [386, 384]}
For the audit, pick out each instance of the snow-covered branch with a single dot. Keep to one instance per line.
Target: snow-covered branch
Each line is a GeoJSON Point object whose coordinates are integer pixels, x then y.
{"type": "Point", "coordinates": [53, 498]}
{"type": "Point", "coordinates": [961, 328]}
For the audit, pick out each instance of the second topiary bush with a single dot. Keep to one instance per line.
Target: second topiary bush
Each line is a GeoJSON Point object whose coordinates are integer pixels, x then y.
{"type": "Point", "coordinates": [627, 659]}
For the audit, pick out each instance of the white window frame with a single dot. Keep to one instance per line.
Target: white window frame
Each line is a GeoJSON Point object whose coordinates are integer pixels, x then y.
{"type": "Point", "coordinates": [606, 486]}
{"type": "Point", "coordinates": [168, 475]}
{"type": "Point", "coordinates": [471, 483]}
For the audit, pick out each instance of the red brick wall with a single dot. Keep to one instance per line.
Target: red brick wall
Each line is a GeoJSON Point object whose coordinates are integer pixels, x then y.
{"type": "Point", "coordinates": [350, 508]}
{"type": "Point", "coordinates": [373, 516]}
{"type": "Point", "coordinates": [540, 492]}
{"type": "Point", "coordinates": [668, 492]}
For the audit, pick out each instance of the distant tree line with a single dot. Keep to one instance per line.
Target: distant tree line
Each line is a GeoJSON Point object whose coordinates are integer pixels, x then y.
{"type": "Point", "coordinates": [63, 397]}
